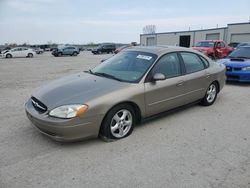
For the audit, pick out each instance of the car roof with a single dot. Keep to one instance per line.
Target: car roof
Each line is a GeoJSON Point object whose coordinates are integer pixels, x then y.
{"type": "Point", "coordinates": [159, 50]}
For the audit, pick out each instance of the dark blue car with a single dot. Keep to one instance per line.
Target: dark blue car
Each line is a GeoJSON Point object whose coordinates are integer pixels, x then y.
{"type": "Point", "coordinates": [238, 65]}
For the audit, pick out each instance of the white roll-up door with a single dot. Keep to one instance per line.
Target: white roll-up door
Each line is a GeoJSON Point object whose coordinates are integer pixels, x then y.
{"type": "Point", "coordinates": [240, 37]}
{"type": "Point", "coordinates": [151, 41]}
{"type": "Point", "coordinates": [213, 36]}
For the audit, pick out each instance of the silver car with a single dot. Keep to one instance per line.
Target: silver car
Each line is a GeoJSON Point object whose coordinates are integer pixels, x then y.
{"type": "Point", "coordinates": [110, 99]}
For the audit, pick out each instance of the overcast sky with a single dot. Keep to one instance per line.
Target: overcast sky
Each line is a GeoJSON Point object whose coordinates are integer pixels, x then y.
{"type": "Point", "coordinates": [84, 21]}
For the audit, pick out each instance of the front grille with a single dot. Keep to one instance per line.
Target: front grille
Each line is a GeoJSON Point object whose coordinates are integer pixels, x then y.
{"type": "Point", "coordinates": [237, 69]}
{"type": "Point", "coordinates": [38, 105]}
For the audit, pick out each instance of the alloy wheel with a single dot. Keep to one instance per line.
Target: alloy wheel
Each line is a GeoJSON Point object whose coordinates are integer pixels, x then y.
{"type": "Point", "coordinates": [211, 93]}
{"type": "Point", "coordinates": [121, 123]}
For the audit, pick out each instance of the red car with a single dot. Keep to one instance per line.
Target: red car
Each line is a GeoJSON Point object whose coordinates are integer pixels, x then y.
{"type": "Point", "coordinates": [215, 49]}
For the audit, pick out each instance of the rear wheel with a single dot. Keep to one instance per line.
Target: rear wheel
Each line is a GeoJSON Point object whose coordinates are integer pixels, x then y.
{"type": "Point", "coordinates": [211, 95]}
{"type": "Point", "coordinates": [119, 123]}
{"type": "Point", "coordinates": [30, 55]}
{"type": "Point", "coordinates": [74, 54]}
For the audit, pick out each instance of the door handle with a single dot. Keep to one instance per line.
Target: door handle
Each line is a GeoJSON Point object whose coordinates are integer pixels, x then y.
{"type": "Point", "coordinates": [180, 83]}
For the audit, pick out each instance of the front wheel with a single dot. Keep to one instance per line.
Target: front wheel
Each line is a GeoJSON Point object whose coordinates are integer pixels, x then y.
{"type": "Point", "coordinates": [8, 56]}
{"type": "Point", "coordinates": [118, 123]}
{"type": "Point", "coordinates": [211, 95]}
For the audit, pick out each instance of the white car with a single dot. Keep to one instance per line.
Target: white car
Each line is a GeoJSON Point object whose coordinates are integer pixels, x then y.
{"type": "Point", "coordinates": [18, 52]}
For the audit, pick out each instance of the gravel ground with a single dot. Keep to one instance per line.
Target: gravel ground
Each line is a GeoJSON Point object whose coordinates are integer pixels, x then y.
{"type": "Point", "coordinates": [192, 147]}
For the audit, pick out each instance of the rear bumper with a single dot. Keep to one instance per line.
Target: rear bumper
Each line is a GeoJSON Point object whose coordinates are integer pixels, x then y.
{"type": "Point", "coordinates": [64, 129]}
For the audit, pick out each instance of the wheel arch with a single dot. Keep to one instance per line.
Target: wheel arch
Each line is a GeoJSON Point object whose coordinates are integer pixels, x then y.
{"type": "Point", "coordinates": [132, 104]}
{"type": "Point", "coordinates": [217, 84]}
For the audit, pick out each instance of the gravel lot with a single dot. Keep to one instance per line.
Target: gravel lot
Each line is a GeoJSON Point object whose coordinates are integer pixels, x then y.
{"type": "Point", "coordinates": [192, 147]}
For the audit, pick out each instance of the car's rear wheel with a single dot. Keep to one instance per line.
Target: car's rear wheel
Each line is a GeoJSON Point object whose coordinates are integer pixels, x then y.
{"type": "Point", "coordinates": [118, 123]}
{"type": "Point", "coordinates": [8, 56]}
{"type": "Point", "coordinates": [74, 54]}
{"type": "Point", "coordinates": [211, 94]}
{"type": "Point", "coordinates": [30, 55]}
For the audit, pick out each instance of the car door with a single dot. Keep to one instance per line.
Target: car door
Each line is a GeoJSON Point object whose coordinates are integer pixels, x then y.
{"type": "Point", "coordinates": [224, 50]}
{"type": "Point", "coordinates": [220, 50]}
{"type": "Point", "coordinates": [196, 77]}
{"type": "Point", "coordinates": [165, 94]}
{"type": "Point", "coordinates": [24, 52]}
{"type": "Point", "coordinates": [17, 52]}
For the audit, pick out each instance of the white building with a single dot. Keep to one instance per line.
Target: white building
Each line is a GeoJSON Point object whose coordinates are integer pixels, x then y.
{"type": "Point", "coordinates": [236, 32]}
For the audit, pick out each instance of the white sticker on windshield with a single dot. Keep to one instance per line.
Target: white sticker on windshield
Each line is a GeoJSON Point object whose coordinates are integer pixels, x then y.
{"type": "Point", "coordinates": [144, 57]}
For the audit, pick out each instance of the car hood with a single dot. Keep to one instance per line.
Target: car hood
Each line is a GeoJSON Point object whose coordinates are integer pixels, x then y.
{"type": "Point", "coordinates": [76, 89]}
{"type": "Point", "coordinates": [236, 62]}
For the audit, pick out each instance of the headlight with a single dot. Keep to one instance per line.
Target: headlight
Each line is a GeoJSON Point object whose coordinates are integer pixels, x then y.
{"type": "Point", "coordinates": [246, 69]}
{"type": "Point", "coordinates": [69, 111]}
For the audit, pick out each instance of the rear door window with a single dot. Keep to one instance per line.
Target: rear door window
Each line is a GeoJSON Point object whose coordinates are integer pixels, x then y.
{"type": "Point", "coordinates": [192, 62]}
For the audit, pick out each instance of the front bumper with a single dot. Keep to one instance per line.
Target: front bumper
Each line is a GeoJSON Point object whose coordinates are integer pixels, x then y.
{"type": "Point", "coordinates": [64, 129]}
{"type": "Point", "coordinates": [239, 76]}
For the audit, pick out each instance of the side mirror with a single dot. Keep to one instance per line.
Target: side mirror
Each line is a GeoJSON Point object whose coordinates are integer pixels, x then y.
{"type": "Point", "coordinates": [158, 76]}
{"type": "Point", "coordinates": [103, 60]}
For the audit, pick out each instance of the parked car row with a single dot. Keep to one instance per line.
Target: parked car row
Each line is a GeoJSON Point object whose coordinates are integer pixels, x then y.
{"type": "Point", "coordinates": [29, 52]}
{"type": "Point", "coordinates": [61, 51]}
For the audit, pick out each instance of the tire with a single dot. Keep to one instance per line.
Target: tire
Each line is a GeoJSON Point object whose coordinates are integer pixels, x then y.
{"type": "Point", "coordinates": [30, 55]}
{"type": "Point", "coordinates": [74, 54]}
{"type": "Point", "coordinates": [8, 56]}
{"type": "Point", "coordinates": [211, 94]}
{"type": "Point", "coordinates": [59, 54]}
{"type": "Point", "coordinates": [118, 123]}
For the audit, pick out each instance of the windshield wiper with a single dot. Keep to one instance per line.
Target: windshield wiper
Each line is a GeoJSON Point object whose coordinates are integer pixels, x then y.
{"type": "Point", "coordinates": [105, 75]}
{"type": "Point", "coordinates": [89, 71]}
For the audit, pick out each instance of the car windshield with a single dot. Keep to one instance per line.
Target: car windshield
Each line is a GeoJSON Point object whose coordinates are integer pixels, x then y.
{"type": "Point", "coordinates": [204, 44]}
{"type": "Point", "coordinates": [129, 66]}
{"type": "Point", "coordinates": [242, 52]}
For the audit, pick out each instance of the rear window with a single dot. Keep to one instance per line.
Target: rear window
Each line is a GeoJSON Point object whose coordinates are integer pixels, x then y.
{"type": "Point", "coordinates": [192, 62]}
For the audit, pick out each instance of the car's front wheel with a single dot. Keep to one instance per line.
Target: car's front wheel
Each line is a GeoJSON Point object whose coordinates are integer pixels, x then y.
{"type": "Point", "coordinates": [211, 94]}
{"type": "Point", "coordinates": [74, 54]}
{"type": "Point", "coordinates": [8, 56]}
{"type": "Point", "coordinates": [118, 123]}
